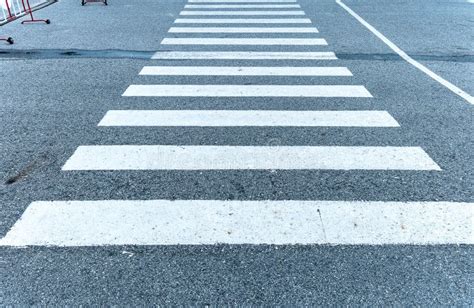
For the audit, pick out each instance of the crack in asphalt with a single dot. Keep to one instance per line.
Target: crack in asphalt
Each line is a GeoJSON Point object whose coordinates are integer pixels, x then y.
{"type": "Point", "coordinates": [146, 55]}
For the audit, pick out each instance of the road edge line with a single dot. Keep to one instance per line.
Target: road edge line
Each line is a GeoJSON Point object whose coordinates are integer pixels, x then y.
{"type": "Point", "coordinates": [469, 98]}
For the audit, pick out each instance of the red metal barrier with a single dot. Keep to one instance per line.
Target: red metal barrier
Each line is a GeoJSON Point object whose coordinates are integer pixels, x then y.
{"type": "Point", "coordinates": [11, 10]}
{"type": "Point", "coordinates": [9, 40]}
{"type": "Point", "coordinates": [29, 11]}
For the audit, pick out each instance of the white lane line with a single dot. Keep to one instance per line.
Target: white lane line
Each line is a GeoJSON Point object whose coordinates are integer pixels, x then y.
{"type": "Point", "coordinates": [227, 118]}
{"type": "Point", "coordinates": [164, 157]}
{"type": "Point", "coordinates": [245, 71]}
{"type": "Point", "coordinates": [242, 30]}
{"type": "Point", "coordinates": [243, 13]}
{"type": "Point", "coordinates": [209, 222]}
{"type": "Point", "coordinates": [243, 21]}
{"type": "Point", "coordinates": [242, 55]}
{"type": "Point", "coordinates": [242, 1]}
{"type": "Point", "coordinates": [247, 91]}
{"type": "Point", "coordinates": [243, 41]}
{"type": "Point", "coordinates": [242, 6]}
{"type": "Point", "coordinates": [469, 98]}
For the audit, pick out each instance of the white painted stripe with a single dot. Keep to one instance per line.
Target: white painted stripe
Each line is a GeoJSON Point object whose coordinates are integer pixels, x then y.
{"type": "Point", "coordinates": [242, 41]}
{"type": "Point", "coordinates": [243, 13]}
{"type": "Point", "coordinates": [245, 71]}
{"type": "Point", "coordinates": [242, 1]}
{"type": "Point", "coordinates": [242, 6]}
{"type": "Point", "coordinates": [243, 55]}
{"type": "Point", "coordinates": [247, 91]}
{"type": "Point", "coordinates": [243, 21]}
{"type": "Point", "coordinates": [215, 118]}
{"type": "Point", "coordinates": [469, 98]}
{"type": "Point", "coordinates": [242, 30]}
{"type": "Point", "coordinates": [163, 157]}
{"type": "Point", "coordinates": [209, 222]}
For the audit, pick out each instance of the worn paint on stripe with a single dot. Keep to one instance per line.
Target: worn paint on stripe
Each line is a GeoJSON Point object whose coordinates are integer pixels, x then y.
{"type": "Point", "coordinates": [245, 71]}
{"type": "Point", "coordinates": [163, 157]}
{"type": "Point", "coordinates": [248, 91]}
{"type": "Point", "coordinates": [243, 55]}
{"type": "Point", "coordinates": [243, 21]}
{"type": "Point", "coordinates": [209, 222]}
{"type": "Point", "coordinates": [242, 13]}
{"type": "Point", "coordinates": [215, 118]}
{"type": "Point", "coordinates": [242, 30]}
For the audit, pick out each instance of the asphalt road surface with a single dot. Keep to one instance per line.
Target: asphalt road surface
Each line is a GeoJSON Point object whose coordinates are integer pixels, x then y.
{"type": "Point", "coordinates": [263, 152]}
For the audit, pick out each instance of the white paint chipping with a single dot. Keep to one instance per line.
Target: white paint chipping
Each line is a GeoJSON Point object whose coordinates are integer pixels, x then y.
{"type": "Point", "coordinates": [242, 1]}
{"type": "Point", "coordinates": [164, 157]}
{"type": "Point", "coordinates": [469, 98]}
{"type": "Point", "coordinates": [209, 222]}
{"type": "Point", "coordinates": [243, 21]}
{"type": "Point", "coordinates": [247, 91]}
{"type": "Point", "coordinates": [242, 6]}
{"type": "Point", "coordinates": [245, 71]}
{"type": "Point", "coordinates": [216, 118]}
{"type": "Point", "coordinates": [242, 55]}
{"type": "Point", "coordinates": [242, 30]}
{"type": "Point", "coordinates": [242, 13]}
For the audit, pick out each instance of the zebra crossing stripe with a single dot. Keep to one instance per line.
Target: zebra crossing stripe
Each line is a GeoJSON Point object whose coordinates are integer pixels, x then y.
{"type": "Point", "coordinates": [247, 91]}
{"type": "Point", "coordinates": [243, 21]}
{"type": "Point", "coordinates": [216, 118]}
{"type": "Point", "coordinates": [243, 41]}
{"type": "Point", "coordinates": [242, 1]}
{"type": "Point", "coordinates": [243, 13]}
{"type": "Point", "coordinates": [242, 30]}
{"type": "Point", "coordinates": [209, 222]}
{"type": "Point", "coordinates": [164, 157]}
{"type": "Point", "coordinates": [245, 71]}
{"type": "Point", "coordinates": [242, 55]}
{"type": "Point", "coordinates": [242, 6]}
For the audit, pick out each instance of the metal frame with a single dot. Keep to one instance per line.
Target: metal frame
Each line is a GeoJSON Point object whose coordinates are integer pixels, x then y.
{"type": "Point", "coordinates": [83, 2]}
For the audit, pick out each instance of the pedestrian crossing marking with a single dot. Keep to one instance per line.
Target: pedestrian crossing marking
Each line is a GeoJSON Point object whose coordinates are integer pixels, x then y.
{"type": "Point", "coordinates": [242, 1]}
{"type": "Point", "coordinates": [243, 41]}
{"type": "Point", "coordinates": [242, 55]}
{"type": "Point", "coordinates": [245, 71]}
{"type": "Point", "coordinates": [210, 222]}
{"type": "Point", "coordinates": [242, 21]}
{"type": "Point", "coordinates": [247, 91]}
{"type": "Point", "coordinates": [242, 30]}
{"type": "Point", "coordinates": [198, 222]}
{"type": "Point", "coordinates": [216, 118]}
{"type": "Point", "coordinates": [228, 13]}
{"type": "Point", "coordinates": [242, 6]}
{"type": "Point", "coordinates": [164, 157]}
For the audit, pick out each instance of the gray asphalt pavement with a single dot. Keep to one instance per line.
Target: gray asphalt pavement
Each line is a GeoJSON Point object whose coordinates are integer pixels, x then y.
{"type": "Point", "coordinates": [59, 80]}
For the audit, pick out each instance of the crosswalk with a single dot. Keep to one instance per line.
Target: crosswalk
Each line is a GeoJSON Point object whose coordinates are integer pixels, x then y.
{"type": "Point", "coordinates": [199, 222]}
{"type": "Point", "coordinates": [244, 71]}
{"type": "Point", "coordinates": [242, 55]}
{"type": "Point", "coordinates": [242, 30]}
{"type": "Point", "coordinates": [243, 21]}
